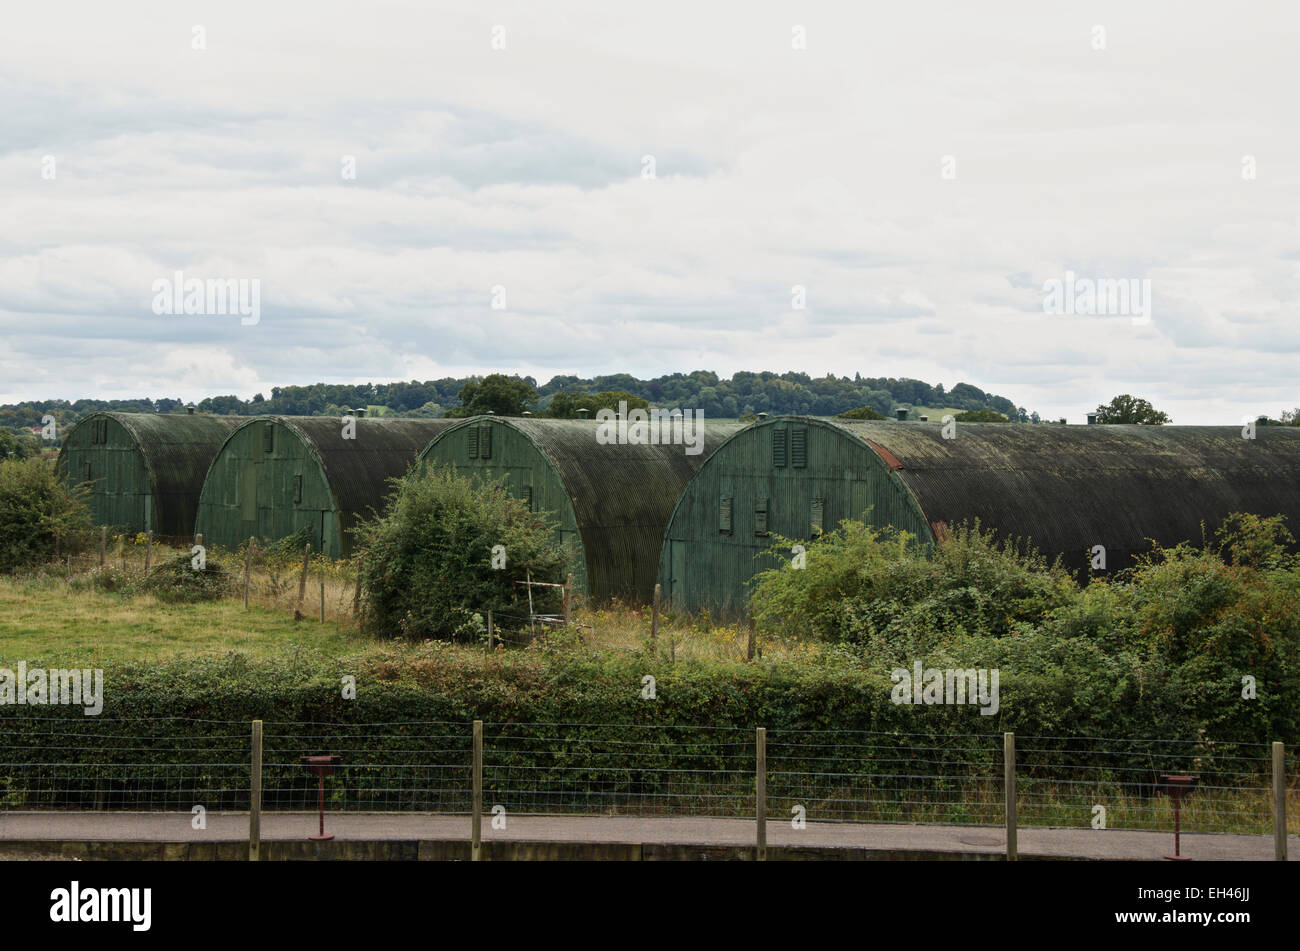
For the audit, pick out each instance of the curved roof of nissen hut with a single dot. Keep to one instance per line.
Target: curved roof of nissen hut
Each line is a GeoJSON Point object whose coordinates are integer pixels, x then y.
{"type": "Point", "coordinates": [1063, 489]}
{"type": "Point", "coordinates": [622, 494]}
{"type": "Point", "coordinates": [176, 450]}
{"type": "Point", "coordinates": [1068, 488]}
{"type": "Point", "coordinates": [358, 471]}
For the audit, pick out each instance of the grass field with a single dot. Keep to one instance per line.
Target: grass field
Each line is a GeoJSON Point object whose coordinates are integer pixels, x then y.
{"type": "Point", "coordinates": [60, 617]}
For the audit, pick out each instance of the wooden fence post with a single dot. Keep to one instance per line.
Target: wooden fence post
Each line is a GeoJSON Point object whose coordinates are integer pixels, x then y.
{"type": "Point", "coordinates": [302, 582]}
{"type": "Point", "coordinates": [476, 821]}
{"type": "Point", "coordinates": [489, 647]}
{"type": "Point", "coordinates": [248, 567]}
{"type": "Point", "coordinates": [753, 641]}
{"type": "Point", "coordinates": [1279, 802]}
{"type": "Point", "coordinates": [568, 599]}
{"type": "Point", "coordinates": [103, 541]}
{"type": "Point", "coordinates": [121, 550]}
{"type": "Point", "coordinates": [255, 797]}
{"type": "Point", "coordinates": [1009, 782]}
{"type": "Point", "coordinates": [760, 790]}
{"type": "Point", "coordinates": [356, 594]}
{"type": "Point", "coordinates": [654, 616]}
{"type": "Point", "coordinates": [148, 552]}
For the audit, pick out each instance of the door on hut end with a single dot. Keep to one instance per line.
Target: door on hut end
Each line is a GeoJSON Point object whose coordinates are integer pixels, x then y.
{"type": "Point", "coordinates": [676, 592]}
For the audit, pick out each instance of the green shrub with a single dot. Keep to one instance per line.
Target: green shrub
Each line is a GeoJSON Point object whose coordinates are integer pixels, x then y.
{"type": "Point", "coordinates": [1206, 639]}
{"type": "Point", "coordinates": [426, 564]}
{"type": "Point", "coordinates": [1216, 623]}
{"type": "Point", "coordinates": [38, 514]}
{"type": "Point", "coordinates": [882, 590]}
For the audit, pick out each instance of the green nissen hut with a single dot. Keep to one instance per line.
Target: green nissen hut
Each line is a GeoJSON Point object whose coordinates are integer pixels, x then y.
{"type": "Point", "coordinates": [144, 469]}
{"type": "Point", "coordinates": [276, 475]}
{"type": "Point", "coordinates": [611, 500]}
{"type": "Point", "coordinates": [1065, 489]}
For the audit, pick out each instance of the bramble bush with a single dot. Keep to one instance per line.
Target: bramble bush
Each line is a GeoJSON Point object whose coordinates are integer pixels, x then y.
{"type": "Point", "coordinates": [1196, 629]}
{"type": "Point", "coordinates": [426, 563]}
{"type": "Point", "coordinates": [177, 580]}
{"type": "Point", "coordinates": [882, 590]}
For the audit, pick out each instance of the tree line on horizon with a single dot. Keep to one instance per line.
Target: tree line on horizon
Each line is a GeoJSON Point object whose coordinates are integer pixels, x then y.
{"type": "Point", "coordinates": [744, 394]}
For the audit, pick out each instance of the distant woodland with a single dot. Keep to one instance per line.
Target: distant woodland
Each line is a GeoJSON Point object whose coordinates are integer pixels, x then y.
{"type": "Point", "coordinates": [744, 394]}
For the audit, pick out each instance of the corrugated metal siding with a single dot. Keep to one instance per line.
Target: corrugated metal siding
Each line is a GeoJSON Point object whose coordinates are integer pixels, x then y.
{"type": "Point", "coordinates": [616, 497]}
{"type": "Point", "coordinates": [1068, 488]}
{"type": "Point", "coordinates": [148, 472]}
{"type": "Point", "coordinates": [342, 480]}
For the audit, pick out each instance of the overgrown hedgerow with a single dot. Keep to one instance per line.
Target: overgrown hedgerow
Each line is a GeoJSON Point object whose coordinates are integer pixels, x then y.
{"type": "Point", "coordinates": [1212, 632]}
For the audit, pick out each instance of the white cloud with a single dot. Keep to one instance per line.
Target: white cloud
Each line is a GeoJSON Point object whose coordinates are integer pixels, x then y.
{"type": "Point", "coordinates": [775, 167]}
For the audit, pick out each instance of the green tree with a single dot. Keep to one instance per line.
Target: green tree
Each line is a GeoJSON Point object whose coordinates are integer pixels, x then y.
{"type": "Point", "coordinates": [566, 405]}
{"type": "Point", "coordinates": [496, 393]}
{"type": "Point", "coordinates": [862, 412]}
{"type": "Point", "coordinates": [38, 513]}
{"type": "Point", "coordinates": [980, 416]}
{"type": "Point", "coordinates": [428, 565]}
{"type": "Point", "coordinates": [21, 445]}
{"type": "Point", "coordinates": [1130, 409]}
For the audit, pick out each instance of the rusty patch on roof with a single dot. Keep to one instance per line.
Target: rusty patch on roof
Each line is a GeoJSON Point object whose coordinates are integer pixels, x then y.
{"type": "Point", "coordinates": [891, 460]}
{"type": "Point", "coordinates": [940, 529]}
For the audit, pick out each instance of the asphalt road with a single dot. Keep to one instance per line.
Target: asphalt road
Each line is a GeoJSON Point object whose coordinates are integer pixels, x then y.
{"type": "Point", "coordinates": [1083, 843]}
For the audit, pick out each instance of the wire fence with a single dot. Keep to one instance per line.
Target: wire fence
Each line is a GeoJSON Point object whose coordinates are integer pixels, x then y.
{"type": "Point", "coordinates": [578, 769]}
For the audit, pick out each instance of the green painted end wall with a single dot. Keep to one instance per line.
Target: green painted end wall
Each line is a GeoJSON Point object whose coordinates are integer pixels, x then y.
{"type": "Point", "coordinates": [120, 490]}
{"type": "Point", "coordinates": [701, 566]}
{"type": "Point", "coordinates": [250, 492]}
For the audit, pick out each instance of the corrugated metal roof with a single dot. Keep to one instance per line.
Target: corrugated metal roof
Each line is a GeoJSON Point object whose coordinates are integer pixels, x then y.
{"type": "Point", "coordinates": [622, 494]}
{"type": "Point", "coordinates": [1068, 488]}
{"type": "Point", "coordinates": [358, 470]}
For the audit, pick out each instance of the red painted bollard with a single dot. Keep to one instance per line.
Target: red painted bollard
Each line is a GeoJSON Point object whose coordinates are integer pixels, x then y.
{"type": "Point", "coordinates": [1177, 787]}
{"type": "Point", "coordinates": [322, 766]}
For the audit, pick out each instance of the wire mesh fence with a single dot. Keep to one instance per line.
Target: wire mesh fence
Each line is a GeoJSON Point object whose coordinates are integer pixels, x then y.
{"type": "Point", "coordinates": [421, 766]}
{"type": "Point", "coordinates": [102, 763]}
{"type": "Point", "coordinates": [1129, 784]}
{"type": "Point", "coordinates": [614, 769]}
{"type": "Point", "coordinates": [886, 777]}
{"type": "Point", "coordinates": [584, 769]}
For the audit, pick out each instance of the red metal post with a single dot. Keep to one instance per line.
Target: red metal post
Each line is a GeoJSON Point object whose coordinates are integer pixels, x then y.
{"type": "Point", "coordinates": [1178, 786]}
{"type": "Point", "coordinates": [322, 766]}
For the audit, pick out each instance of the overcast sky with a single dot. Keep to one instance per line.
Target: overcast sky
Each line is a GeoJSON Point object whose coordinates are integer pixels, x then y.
{"type": "Point", "coordinates": [127, 154]}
